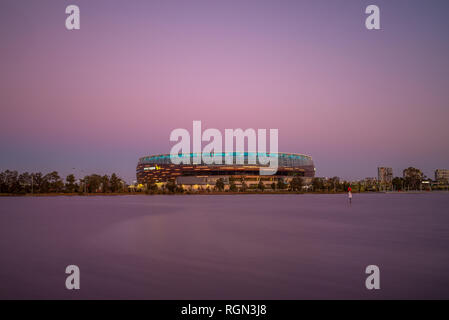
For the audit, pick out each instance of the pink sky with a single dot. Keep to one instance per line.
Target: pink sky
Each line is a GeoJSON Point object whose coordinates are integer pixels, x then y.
{"type": "Point", "coordinates": [98, 98]}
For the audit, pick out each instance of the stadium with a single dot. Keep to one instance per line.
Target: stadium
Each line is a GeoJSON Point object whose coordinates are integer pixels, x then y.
{"type": "Point", "coordinates": [159, 169]}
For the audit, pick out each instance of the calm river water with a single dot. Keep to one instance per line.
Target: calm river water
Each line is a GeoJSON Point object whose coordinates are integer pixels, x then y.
{"type": "Point", "coordinates": [225, 247]}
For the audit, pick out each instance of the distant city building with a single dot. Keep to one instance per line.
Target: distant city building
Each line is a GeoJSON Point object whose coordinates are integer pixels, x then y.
{"type": "Point", "coordinates": [385, 175]}
{"type": "Point", "coordinates": [442, 175]}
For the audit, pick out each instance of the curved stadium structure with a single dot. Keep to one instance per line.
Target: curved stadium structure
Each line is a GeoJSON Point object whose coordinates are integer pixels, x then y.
{"type": "Point", "coordinates": [159, 168]}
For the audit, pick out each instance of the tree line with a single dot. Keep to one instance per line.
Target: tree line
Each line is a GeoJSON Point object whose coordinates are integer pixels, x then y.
{"type": "Point", "coordinates": [411, 180]}
{"type": "Point", "coordinates": [295, 185]}
{"type": "Point", "coordinates": [14, 183]}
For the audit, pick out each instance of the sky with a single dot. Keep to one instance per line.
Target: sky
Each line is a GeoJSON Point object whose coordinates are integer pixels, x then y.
{"type": "Point", "coordinates": [98, 98]}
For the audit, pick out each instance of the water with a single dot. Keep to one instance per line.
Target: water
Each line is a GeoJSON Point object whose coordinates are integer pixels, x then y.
{"type": "Point", "coordinates": [225, 247]}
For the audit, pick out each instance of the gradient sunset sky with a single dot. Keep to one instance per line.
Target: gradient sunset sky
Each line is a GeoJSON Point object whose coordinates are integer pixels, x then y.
{"type": "Point", "coordinates": [97, 99]}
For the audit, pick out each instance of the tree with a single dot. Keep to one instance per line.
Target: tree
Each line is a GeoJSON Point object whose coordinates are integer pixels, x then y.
{"type": "Point", "coordinates": [114, 183]}
{"type": "Point", "coordinates": [93, 182]}
{"type": "Point", "coordinates": [105, 184]}
{"type": "Point", "coordinates": [398, 183]}
{"type": "Point", "coordinates": [53, 182]}
{"type": "Point", "coordinates": [281, 185]}
{"type": "Point", "coordinates": [70, 185]}
{"type": "Point", "coordinates": [412, 178]}
{"type": "Point", "coordinates": [152, 187]}
{"type": "Point", "coordinates": [25, 182]}
{"type": "Point", "coordinates": [37, 182]}
{"type": "Point", "coordinates": [334, 183]}
{"type": "Point", "coordinates": [317, 184]}
{"type": "Point", "coordinates": [261, 186]}
{"type": "Point", "coordinates": [232, 185]}
{"type": "Point", "coordinates": [3, 186]}
{"type": "Point", "coordinates": [219, 184]}
{"type": "Point", "coordinates": [171, 186]}
{"type": "Point", "coordinates": [296, 184]}
{"type": "Point", "coordinates": [10, 182]}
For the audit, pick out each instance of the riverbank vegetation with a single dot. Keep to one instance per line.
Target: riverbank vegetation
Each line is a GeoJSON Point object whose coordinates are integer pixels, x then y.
{"type": "Point", "coordinates": [11, 182]}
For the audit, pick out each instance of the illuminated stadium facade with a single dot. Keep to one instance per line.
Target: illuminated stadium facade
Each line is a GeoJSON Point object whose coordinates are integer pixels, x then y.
{"type": "Point", "coordinates": [160, 169]}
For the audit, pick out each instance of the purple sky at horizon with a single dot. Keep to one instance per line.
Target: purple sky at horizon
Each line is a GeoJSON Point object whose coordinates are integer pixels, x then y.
{"type": "Point", "coordinates": [97, 99]}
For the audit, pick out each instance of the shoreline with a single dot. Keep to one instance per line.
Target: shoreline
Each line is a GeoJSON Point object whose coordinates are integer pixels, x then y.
{"type": "Point", "coordinates": [203, 193]}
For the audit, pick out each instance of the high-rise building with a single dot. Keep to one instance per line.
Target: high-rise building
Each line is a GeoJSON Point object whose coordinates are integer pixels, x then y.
{"type": "Point", "coordinates": [442, 175]}
{"type": "Point", "coordinates": [384, 175]}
